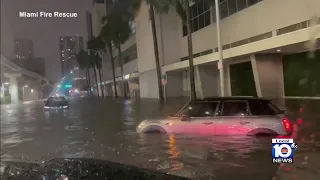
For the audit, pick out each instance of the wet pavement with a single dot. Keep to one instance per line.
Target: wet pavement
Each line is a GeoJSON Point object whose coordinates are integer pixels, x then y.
{"type": "Point", "coordinates": [105, 129]}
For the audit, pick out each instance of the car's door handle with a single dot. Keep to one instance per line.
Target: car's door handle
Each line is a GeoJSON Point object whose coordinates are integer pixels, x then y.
{"type": "Point", "coordinates": [208, 123]}
{"type": "Point", "coordinates": [244, 122]}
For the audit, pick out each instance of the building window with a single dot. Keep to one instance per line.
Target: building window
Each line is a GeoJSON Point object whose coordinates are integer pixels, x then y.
{"type": "Point", "coordinates": [199, 16]}
{"type": "Point", "coordinates": [127, 55]}
{"type": "Point", "coordinates": [132, 26]}
{"type": "Point", "coordinates": [224, 9]}
{"type": "Point", "coordinates": [229, 7]}
{"type": "Point", "coordinates": [232, 6]}
{"type": "Point", "coordinates": [252, 2]}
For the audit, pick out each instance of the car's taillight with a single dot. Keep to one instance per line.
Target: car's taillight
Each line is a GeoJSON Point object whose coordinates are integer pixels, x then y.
{"type": "Point", "coordinates": [286, 124]}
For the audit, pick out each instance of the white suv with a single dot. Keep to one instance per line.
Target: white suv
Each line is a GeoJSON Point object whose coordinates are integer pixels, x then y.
{"type": "Point", "coordinates": [223, 116]}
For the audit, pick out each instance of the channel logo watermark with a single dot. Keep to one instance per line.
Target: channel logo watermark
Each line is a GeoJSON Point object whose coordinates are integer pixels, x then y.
{"type": "Point", "coordinates": [283, 150]}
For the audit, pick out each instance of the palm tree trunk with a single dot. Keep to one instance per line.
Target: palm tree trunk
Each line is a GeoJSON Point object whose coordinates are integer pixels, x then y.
{"type": "Point", "coordinates": [95, 76]}
{"type": "Point", "coordinates": [113, 71]}
{"type": "Point", "coordinates": [88, 80]}
{"type": "Point", "coordinates": [156, 53]}
{"type": "Point", "coordinates": [121, 71]}
{"type": "Point", "coordinates": [190, 52]}
{"type": "Point", "coordinates": [101, 88]}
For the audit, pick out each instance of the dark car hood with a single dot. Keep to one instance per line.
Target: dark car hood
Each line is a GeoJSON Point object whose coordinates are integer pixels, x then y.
{"type": "Point", "coordinates": [60, 169]}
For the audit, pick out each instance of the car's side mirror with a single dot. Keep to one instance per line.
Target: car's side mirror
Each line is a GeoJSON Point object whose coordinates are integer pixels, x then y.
{"type": "Point", "coordinates": [185, 117]}
{"type": "Point", "coordinates": [283, 110]}
{"type": "Point", "coordinates": [45, 101]}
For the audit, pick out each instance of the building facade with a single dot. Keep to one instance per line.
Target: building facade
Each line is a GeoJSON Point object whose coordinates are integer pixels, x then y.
{"type": "Point", "coordinates": [23, 49]}
{"type": "Point", "coordinates": [70, 45]}
{"type": "Point", "coordinates": [263, 42]}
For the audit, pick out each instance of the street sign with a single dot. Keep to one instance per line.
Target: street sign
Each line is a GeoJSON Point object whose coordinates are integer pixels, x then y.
{"type": "Point", "coordinates": [164, 81]}
{"type": "Point", "coordinates": [219, 65]}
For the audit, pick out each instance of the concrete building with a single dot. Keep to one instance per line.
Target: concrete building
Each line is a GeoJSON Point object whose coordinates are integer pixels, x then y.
{"type": "Point", "coordinates": [23, 49]}
{"type": "Point", "coordinates": [70, 45]}
{"type": "Point", "coordinates": [17, 83]}
{"type": "Point", "coordinates": [36, 64]}
{"type": "Point", "coordinates": [259, 37]}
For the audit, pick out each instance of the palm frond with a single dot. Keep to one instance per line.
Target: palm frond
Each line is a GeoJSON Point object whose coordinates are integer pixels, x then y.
{"type": "Point", "coordinates": [82, 59]}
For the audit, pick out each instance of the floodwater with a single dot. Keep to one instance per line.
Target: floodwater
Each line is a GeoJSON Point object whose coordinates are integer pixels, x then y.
{"type": "Point", "coordinates": [105, 129]}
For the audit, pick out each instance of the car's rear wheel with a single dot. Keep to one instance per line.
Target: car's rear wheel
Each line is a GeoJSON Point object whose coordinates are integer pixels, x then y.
{"type": "Point", "coordinates": [262, 132]}
{"type": "Point", "coordinates": [154, 129]}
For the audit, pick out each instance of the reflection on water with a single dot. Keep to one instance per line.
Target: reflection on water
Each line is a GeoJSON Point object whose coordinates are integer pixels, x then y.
{"type": "Point", "coordinates": [105, 129]}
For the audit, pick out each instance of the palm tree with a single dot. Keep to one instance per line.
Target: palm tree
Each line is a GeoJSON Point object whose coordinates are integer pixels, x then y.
{"type": "Point", "coordinates": [83, 61]}
{"type": "Point", "coordinates": [182, 8]}
{"type": "Point", "coordinates": [93, 58]}
{"type": "Point", "coordinates": [106, 37]}
{"type": "Point", "coordinates": [97, 48]}
{"type": "Point", "coordinates": [159, 6]}
{"type": "Point", "coordinates": [119, 31]}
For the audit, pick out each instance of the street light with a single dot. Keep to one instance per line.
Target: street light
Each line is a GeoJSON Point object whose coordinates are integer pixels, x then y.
{"type": "Point", "coordinates": [6, 83]}
{"type": "Point", "coordinates": [31, 90]}
{"type": "Point", "coordinates": [220, 63]}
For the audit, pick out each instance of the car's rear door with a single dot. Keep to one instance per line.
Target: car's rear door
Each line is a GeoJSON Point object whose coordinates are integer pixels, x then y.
{"type": "Point", "coordinates": [233, 118]}
{"type": "Point", "coordinates": [264, 117]}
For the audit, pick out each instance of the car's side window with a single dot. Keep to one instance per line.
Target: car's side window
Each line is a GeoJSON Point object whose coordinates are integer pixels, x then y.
{"type": "Point", "coordinates": [235, 108]}
{"type": "Point", "coordinates": [260, 108]}
{"type": "Point", "coordinates": [201, 109]}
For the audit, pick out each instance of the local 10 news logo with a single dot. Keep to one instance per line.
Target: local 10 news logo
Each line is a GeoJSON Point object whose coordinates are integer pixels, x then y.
{"type": "Point", "coordinates": [283, 150]}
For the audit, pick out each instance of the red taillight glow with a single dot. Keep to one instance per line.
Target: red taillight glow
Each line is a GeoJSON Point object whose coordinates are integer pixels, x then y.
{"type": "Point", "coordinates": [286, 124]}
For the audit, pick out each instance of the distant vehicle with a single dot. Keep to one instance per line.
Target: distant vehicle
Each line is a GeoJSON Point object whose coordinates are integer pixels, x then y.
{"type": "Point", "coordinates": [223, 116]}
{"type": "Point", "coordinates": [56, 103]}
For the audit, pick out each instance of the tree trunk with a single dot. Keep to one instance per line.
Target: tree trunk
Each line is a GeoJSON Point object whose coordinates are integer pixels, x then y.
{"type": "Point", "coordinates": [88, 80]}
{"type": "Point", "coordinates": [190, 53]}
{"type": "Point", "coordinates": [113, 71]}
{"type": "Point", "coordinates": [156, 53]}
{"type": "Point", "coordinates": [95, 76]}
{"type": "Point", "coordinates": [121, 72]}
{"type": "Point", "coordinates": [101, 87]}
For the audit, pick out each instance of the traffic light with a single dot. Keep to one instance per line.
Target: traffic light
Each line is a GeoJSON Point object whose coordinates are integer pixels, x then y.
{"type": "Point", "coordinates": [68, 85]}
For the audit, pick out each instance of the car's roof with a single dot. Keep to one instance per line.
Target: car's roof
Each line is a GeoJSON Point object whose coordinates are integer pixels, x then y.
{"type": "Point", "coordinates": [230, 98]}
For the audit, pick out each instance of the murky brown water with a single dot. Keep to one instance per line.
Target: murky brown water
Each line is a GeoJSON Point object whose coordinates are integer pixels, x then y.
{"type": "Point", "coordinates": [105, 129]}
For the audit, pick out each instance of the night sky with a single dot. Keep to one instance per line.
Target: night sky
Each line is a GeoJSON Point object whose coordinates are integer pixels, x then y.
{"type": "Point", "coordinates": [45, 32]}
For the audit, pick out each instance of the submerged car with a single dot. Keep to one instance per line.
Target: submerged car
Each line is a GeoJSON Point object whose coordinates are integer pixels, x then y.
{"type": "Point", "coordinates": [56, 103]}
{"type": "Point", "coordinates": [223, 116]}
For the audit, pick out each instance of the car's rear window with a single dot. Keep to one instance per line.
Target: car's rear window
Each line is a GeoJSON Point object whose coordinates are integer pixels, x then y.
{"type": "Point", "coordinates": [56, 101]}
{"type": "Point", "coordinates": [264, 107]}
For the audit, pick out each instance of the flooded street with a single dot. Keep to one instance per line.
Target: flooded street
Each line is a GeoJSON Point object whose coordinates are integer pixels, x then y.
{"type": "Point", "coordinates": [105, 129]}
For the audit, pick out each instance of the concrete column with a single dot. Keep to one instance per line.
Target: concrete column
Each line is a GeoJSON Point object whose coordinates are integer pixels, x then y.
{"type": "Point", "coordinates": [148, 83]}
{"type": "Point", "coordinates": [110, 89]}
{"type": "Point", "coordinates": [209, 80]}
{"type": "Point", "coordinates": [133, 85]}
{"type": "Point", "coordinates": [174, 87]}
{"type": "Point", "coordinates": [13, 86]}
{"type": "Point", "coordinates": [268, 75]}
{"type": "Point", "coordinates": [227, 80]}
{"type": "Point", "coordinates": [197, 82]}
{"type": "Point", "coordinates": [30, 94]}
